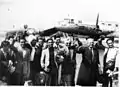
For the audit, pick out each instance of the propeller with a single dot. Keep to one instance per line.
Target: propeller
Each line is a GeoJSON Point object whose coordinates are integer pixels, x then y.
{"type": "Point", "coordinates": [97, 26]}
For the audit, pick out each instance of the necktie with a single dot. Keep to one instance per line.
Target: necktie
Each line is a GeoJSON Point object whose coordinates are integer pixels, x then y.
{"type": "Point", "coordinates": [92, 54]}
{"type": "Point", "coordinates": [105, 56]}
{"type": "Point", "coordinates": [6, 55]}
{"type": "Point", "coordinates": [32, 54]}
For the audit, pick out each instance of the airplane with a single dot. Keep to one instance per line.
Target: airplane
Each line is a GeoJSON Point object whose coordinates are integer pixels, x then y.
{"type": "Point", "coordinates": [82, 30]}
{"type": "Point", "coordinates": [92, 31]}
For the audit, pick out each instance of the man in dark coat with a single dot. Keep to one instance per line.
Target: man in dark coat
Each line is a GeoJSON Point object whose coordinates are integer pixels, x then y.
{"type": "Point", "coordinates": [49, 64]}
{"type": "Point", "coordinates": [35, 62]}
{"type": "Point", "coordinates": [89, 66]}
{"type": "Point", "coordinates": [7, 64]}
{"type": "Point", "coordinates": [38, 52]}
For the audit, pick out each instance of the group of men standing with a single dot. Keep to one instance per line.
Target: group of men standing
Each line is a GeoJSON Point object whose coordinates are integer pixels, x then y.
{"type": "Point", "coordinates": [55, 62]}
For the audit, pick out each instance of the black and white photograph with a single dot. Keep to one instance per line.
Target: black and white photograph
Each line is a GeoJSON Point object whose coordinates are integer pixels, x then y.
{"type": "Point", "coordinates": [59, 43]}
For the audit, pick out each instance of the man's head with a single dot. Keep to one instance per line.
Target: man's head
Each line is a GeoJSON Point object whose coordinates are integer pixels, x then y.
{"type": "Point", "coordinates": [67, 43]}
{"type": "Point", "coordinates": [22, 43]}
{"type": "Point", "coordinates": [11, 39]}
{"type": "Point", "coordinates": [33, 43]}
{"type": "Point", "coordinates": [57, 41]}
{"type": "Point", "coordinates": [40, 41]}
{"type": "Point", "coordinates": [90, 42]}
{"type": "Point", "coordinates": [110, 43]}
{"type": "Point", "coordinates": [5, 45]}
{"type": "Point", "coordinates": [50, 42]}
{"type": "Point", "coordinates": [77, 42]}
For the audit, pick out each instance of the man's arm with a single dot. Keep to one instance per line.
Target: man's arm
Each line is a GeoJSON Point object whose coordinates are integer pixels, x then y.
{"type": "Point", "coordinates": [80, 49]}
{"type": "Point", "coordinates": [42, 59]}
{"type": "Point", "coordinates": [117, 61]}
{"type": "Point", "coordinates": [4, 63]}
{"type": "Point", "coordinates": [46, 58]}
{"type": "Point", "coordinates": [13, 48]}
{"type": "Point", "coordinates": [98, 60]}
{"type": "Point", "coordinates": [99, 45]}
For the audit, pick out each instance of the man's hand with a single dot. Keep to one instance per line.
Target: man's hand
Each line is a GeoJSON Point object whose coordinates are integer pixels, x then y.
{"type": "Point", "coordinates": [116, 69]}
{"type": "Point", "coordinates": [60, 58]}
{"type": "Point", "coordinates": [12, 69]}
{"type": "Point", "coordinates": [100, 69]}
{"type": "Point", "coordinates": [46, 69]}
{"type": "Point", "coordinates": [110, 73]}
{"type": "Point", "coordinates": [42, 65]}
{"type": "Point", "coordinates": [10, 63]}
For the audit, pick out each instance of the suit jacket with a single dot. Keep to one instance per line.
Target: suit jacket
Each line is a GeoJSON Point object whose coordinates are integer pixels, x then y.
{"type": "Point", "coordinates": [36, 61]}
{"type": "Point", "coordinates": [45, 57]}
{"type": "Point", "coordinates": [4, 61]}
{"type": "Point", "coordinates": [23, 65]}
{"type": "Point", "coordinates": [68, 65]}
{"type": "Point", "coordinates": [87, 55]}
{"type": "Point", "coordinates": [88, 70]}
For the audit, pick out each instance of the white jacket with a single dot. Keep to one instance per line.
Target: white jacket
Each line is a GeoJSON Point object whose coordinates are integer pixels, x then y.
{"type": "Point", "coordinates": [45, 58]}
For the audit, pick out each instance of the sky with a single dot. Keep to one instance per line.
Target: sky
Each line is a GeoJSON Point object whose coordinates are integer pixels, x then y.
{"type": "Point", "coordinates": [45, 14]}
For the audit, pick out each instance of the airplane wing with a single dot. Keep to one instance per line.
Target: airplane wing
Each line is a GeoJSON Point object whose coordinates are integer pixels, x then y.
{"type": "Point", "coordinates": [14, 32]}
{"type": "Point", "coordinates": [79, 30]}
{"type": "Point", "coordinates": [48, 32]}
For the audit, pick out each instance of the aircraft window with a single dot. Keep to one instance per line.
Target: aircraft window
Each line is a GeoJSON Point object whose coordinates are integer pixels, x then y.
{"type": "Point", "coordinates": [109, 24]}
{"type": "Point", "coordinates": [72, 20]}
{"type": "Point", "coordinates": [103, 23]}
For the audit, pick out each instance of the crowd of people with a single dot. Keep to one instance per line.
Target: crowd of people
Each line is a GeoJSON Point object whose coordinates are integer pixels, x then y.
{"type": "Point", "coordinates": [52, 61]}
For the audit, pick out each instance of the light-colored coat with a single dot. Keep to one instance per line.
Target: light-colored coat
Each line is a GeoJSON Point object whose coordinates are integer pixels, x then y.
{"type": "Point", "coordinates": [45, 58]}
{"type": "Point", "coordinates": [24, 55]}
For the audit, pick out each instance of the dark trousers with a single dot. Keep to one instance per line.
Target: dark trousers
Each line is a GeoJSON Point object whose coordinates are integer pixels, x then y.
{"type": "Point", "coordinates": [107, 81]}
{"type": "Point", "coordinates": [32, 71]}
{"type": "Point", "coordinates": [73, 78]}
{"type": "Point", "coordinates": [67, 80]}
{"type": "Point", "coordinates": [11, 78]}
{"type": "Point", "coordinates": [52, 78]}
{"type": "Point", "coordinates": [15, 79]}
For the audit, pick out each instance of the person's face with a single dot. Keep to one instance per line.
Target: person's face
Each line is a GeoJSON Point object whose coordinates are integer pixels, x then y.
{"type": "Point", "coordinates": [40, 42]}
{"type": "Point", "coordinates": [11, 40]}
{"type": "Point", "coordinates": [110, 43]}
{"type": "Point", "coordinates": [5, 48]}
{"type": "Point", "coordinates": [75, 43]}
{"type": "Point", "coordinates": [90, 42]}
{"type": "Point", "coordinates": [50, 43]}
{"type": "Point", "coordinates": [18, 38]}
{"type": "Point", "coordinates": [22, 43]}
{"type": "Point", "coordinates": [116, 43]}
{"type": "Point", "coordinates": [57, 41]}
{"type": "Point", "coordinates": [67, 44]}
